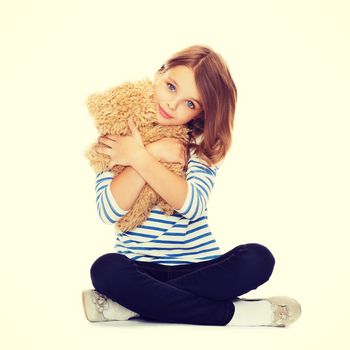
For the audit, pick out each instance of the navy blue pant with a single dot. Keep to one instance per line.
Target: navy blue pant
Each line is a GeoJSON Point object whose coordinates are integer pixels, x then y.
{"type": "Point", "coordinates": [197, 293]}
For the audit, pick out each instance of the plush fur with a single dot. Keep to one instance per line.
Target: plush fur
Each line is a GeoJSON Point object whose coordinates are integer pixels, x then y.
{"type": "Point", "coordinates": [110, 111]}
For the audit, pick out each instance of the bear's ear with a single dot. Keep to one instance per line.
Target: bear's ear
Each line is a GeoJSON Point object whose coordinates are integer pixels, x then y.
{"type": "Point", "coordinates": [92, 102]}
{"type": "Point", "coordinates": [101, 106]}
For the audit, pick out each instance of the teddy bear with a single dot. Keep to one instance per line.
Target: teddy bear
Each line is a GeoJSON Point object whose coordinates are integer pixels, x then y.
{"type": "Point", "coordinates": [110, 111]}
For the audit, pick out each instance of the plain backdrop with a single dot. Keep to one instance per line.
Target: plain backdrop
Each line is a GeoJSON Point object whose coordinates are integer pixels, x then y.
{"type": "Point", "coordinates": [284, 183]}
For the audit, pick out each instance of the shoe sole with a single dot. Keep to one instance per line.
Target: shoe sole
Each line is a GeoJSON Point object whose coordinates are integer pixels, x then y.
{"type": "Point", "coordinates": [84, 305]}
{"type": "Point", "coordinates": [83, 296]}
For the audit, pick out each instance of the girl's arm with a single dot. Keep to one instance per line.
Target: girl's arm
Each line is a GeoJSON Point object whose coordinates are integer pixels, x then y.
{"type": "Point", "coordinates": [115, 195]}
{"type": "Point", "coordinates": [120, 192]}
{"type": "Point", "coordinates": [128, 184]}
{"type": "Point", "coordinates": [107, 208]}
{"type": "Point", "coordinates": [189, 197]}
{"type": "Point", "coordinates": [171, 187]}
{"type": "Point", "coordinates": [126, 187]}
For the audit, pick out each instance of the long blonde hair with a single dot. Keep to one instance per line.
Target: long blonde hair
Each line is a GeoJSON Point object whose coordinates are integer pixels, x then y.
{"type": "Point", "coordinates": [219, 98]}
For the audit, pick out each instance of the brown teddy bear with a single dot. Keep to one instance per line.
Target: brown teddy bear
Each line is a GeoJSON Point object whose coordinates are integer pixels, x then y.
{"type": "Point", "coordinates": [111, 110]}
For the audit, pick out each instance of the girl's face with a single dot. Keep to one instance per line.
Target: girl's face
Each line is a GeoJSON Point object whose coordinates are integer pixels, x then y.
{"type": "Point", "coordinates": [176, 94]}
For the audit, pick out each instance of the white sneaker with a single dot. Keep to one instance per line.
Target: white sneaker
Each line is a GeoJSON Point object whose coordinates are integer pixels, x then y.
{"type": "Point", "coordinates": [285, 310]}
{"type": "Point", "coordinates": [98, 307]}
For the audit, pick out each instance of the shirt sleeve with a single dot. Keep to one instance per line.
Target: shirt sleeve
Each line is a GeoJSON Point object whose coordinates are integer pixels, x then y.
{"type": "Point", "coordinates": [200, 180]}
{"type": "Point", "coordinates": [107, 208]}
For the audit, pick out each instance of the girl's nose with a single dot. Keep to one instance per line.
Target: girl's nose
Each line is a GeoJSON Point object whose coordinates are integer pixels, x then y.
{"type": "Point", "coordinates": [171, 104]}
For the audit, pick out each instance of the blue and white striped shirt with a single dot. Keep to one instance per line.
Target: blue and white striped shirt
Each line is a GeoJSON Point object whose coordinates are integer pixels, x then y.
{"type": "Point", "coordinates": [181, 238]}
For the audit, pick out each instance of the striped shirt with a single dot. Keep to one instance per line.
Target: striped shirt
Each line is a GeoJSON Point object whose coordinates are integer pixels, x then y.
{"type": "Point", "coordinates": [181, 238]}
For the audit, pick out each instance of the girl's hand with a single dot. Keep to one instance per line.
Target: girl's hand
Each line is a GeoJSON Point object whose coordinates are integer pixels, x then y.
{"type": "Point", "coordinates": [121, 149]}
{"type": "Point", "coordinates": [169, 149]}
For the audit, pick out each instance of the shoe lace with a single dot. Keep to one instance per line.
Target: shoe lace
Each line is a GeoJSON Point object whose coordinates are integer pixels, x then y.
{"type": "Point", "coordinates": [100, 300]}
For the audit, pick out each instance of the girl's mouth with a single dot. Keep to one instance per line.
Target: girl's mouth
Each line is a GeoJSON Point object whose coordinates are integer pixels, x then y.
{"type": "Point", "coordinates": [164, 114]}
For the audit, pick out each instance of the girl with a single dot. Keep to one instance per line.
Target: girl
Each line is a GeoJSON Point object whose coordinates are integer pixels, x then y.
{"type": "Point", "coordinates": [170, 268]}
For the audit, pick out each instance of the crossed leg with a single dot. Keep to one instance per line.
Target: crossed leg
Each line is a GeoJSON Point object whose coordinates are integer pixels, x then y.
{"type": "Point", "coordinates": [203, 296]}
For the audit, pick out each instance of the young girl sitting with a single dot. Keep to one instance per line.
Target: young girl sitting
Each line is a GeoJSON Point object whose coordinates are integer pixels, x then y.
{"type": "Point", "coordinates": [170, 268]}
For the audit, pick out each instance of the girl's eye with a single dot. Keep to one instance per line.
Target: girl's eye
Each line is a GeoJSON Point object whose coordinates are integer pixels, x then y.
{"type": "Point", "coordinates": [188, 101]}
{"type": "Point", "coordinates": [192, 104]}
{"type": "Point", "coordinates": [170, 84]}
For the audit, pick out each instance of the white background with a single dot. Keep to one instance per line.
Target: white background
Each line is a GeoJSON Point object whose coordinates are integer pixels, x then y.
{"type": "Point", "coordinates": [283, 184]}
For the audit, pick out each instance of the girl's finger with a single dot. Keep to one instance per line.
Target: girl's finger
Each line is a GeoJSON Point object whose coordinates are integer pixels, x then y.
{"type": "Point", "coordinates": [106, 141]}
{"type": "Point", "coordinates": [103, 150]}
{"type": "Point", "coordinates": [112, 137]}
{"type": "Point", "coordinates": [109, 136]}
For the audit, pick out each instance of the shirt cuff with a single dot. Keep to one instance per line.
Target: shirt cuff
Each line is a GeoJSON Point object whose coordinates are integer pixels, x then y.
{"type": "Point", "coordinates": [115, 205]}
{"type": "Point", "coordinates": [187, 204]}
